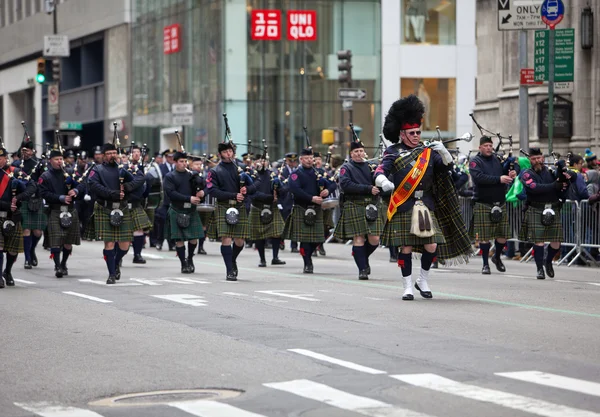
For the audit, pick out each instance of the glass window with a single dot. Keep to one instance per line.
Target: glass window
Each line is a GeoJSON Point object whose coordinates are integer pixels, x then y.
{"type": "Point", "coordinates": [19, 9]}
{"type": "Point", "coordinates": [2, 14]}
{"type": "Point", "coordinates": [439, 97]}
{"type": "Point", "coordinates": [428, 22]}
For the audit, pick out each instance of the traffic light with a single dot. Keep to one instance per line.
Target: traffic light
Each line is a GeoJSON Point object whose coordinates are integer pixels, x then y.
{"type": "Point", "coordinates": [41, 71]}
{"type": "Point", "coordinates": [56, 69]}
{"type": "Point", "coordinates": [345, 66]}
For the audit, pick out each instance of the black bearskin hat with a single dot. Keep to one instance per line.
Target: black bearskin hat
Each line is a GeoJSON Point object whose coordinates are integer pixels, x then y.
{"type": "Point", "coordinates": [405, 113]}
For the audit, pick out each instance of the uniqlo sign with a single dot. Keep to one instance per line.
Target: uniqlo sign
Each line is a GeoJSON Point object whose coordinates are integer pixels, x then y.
{"type": "Point", "coordinates": [171, 39]}
{"type": "Point", "coordinates": [266, 25]}
{"type": "Point", "coordinates": [302, 25]}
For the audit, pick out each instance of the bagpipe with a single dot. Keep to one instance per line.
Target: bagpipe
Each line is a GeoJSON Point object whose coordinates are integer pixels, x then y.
{"type": "Point", "coordinates": [505, 158]}
{"type": "Point", "coordinates": [69, 177]}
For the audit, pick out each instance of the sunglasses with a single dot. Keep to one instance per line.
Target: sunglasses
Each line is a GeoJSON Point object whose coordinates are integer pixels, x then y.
{"type": "Point", "coordinates": [413, 133]}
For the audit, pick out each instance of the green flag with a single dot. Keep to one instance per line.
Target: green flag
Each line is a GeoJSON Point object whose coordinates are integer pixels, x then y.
{"type": "Point", "coordinates": [517, 185]}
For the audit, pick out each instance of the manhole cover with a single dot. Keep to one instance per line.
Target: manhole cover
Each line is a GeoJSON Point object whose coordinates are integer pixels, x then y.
{"type": "Point", "coordinates": [168, 396]}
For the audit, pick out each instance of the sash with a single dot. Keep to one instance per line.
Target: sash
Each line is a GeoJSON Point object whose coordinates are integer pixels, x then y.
{"type": "Point", "coordinates": [4, 183]}
{"type": "Point", "coordinates": [409, 183]}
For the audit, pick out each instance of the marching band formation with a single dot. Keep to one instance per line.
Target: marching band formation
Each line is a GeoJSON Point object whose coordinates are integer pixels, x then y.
{"type": "Point", "coordinates": [406, 200]}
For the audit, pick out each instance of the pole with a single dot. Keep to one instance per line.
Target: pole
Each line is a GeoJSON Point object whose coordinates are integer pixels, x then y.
{"type": "Point", "coordinates": [550, 88]}
{"type": "Point", "coordinates": [55, 31]}
{"type": "Point", "coordinates": [523, 95]}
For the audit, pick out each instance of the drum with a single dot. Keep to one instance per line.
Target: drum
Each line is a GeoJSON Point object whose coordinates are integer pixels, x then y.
{"type": "Point", "coordinates": [207, 205]}
{"type": "Point", "coordinates": [155, 196]}
{"type": "Point", "coordinates": [332, 201]}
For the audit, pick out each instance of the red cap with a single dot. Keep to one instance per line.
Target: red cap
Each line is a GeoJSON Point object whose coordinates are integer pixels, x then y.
{"type": "Point", "coordinates": [409, 125]}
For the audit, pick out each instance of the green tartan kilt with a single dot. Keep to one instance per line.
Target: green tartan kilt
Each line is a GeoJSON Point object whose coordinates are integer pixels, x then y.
{"type": "Point", "coordinates": [353, 221]}
{"type": "Point", "coordinates": [298, 231]}
{"type": "Point", "coordinates": [89, 233]}
{"type": "Point", "coordinates": [193, 231]}
{"type": "Point", "coordinates": [140, 219]}
{"type": "Point", "coordinates": [108, 233]}
{"type": "Point", "coordinates": [33, 220]}
{"type": "Point", "coordinates": [328, 222]}
{"type": "Point", "coordinates": [532, 229]}
{"type": "Point", "coordinates": [13, 244]}
{"type": "Point", "coordinates": [397, 231]}
{"type": "Point", "coordinates": [260, 231]}
{"type": "Point", "coordinates": [57, 235]}
{"type": "Point", "coordinates": [150, 214]}
{"type": "Point", "coordinates": [218, 226]}
{"type": "Point", "coordinates": [484, 229]}
{"type": "Point", "coordinates": [205, 217]}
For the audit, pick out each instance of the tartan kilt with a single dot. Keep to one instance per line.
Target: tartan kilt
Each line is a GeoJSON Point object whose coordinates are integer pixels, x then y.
{"type": "Point", "coordinates": [58, 236]}
{"type": "Point", "coordinates": [108, 233]}
{"type": "Point", "coordinates": [218, 226]}
{"type": "Point", "coordinates": [532, 229]}
{"type": "Point", "coordinates": [140, 219]}
{"type": "Point", "coordinates": [205, 217]}
{"type": "Point", "coordinates": [150, 214]}
{"type": "Point", "coordinates": [33, 220]}
{"type": "Point", "coordinates": [328, 222]}
{"type": "Point", "coordinates": [297, 231]}
{"type": "Point", "coordinates": [397, 231]}
{"type": "Point", "coordinates": [353, 221]}
{"type": "Point", "coordinates": [89, 233]}
{"type": "Point", "coordinates": [13, 244]}
{"type": "Point", "coordinates": [260, 231]}
{"type": "Point", "coordinates": [484, 229]}
{"type": "Point", "coordinates": [174, 232]}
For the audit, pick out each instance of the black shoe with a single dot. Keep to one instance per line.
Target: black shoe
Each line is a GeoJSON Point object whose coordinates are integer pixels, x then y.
{"type": "Point", "coordinates": [486, 270]}
{"type": "Point", "coordinates": [117, 272]}
{"type": "Point", "coordinates": [111, 279]}
{"type": "Point", "coordinates": [65, 271]}
{"type": "Point", "coordinates": [27, 265]}
{"type": "Point", "coordinates": [158, 246]}
{"type": "Point", "coordinates": [191, 266]}
{"type": "Point", "coordinates": [262, 264]}
{"type": "Point", "coordinates": [540, 274]}
{"type": "Point", "coordinates": [368, 269]}
{"type": "Point", "coordinates": [234, 270]}
{"type": "Point", "coordinates": [137, 259]}
{"type": "Point", "coordinates": [277, 261]}
{"type": "Point", "coordinates": [393, 259]}
{"type": "Point", "coordinates": [1, 283]}
{"type": "Point", "coordinates": [231, 276]}
{"type": "Point", "coordinates": [424, 294]}
{"type": "Point", "coordinates": [308, 269]}
{"type": "Point", "coordinates": [321, 251]}
{"type": "Point", "coordinates": [185, 269]}
{"type": "Point", "coordinates": [10, 282]}
{"type": "Point", "coordinates": [499, 264]}
{"type": "Point", "coordinates": [408, 297]}
{"type": "Point", "coordinates": [201, 251]}
{"type": "Point", "coordinates": [295, 250]}
{"type": "Point", "coordinates": [58, 272]}
{"type": "Point", "coordinates": [363, 274]}
{"type": "Point", "coordinates": [34, 259]}
{"type": "Point", "coordinates": [549, 269]}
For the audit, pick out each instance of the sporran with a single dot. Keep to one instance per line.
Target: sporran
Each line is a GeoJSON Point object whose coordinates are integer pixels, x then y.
{"type": "Point", "coordinates": [421, 224]}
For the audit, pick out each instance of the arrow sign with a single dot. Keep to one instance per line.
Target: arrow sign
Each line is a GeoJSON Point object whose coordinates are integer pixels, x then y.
{"type": "Point", "coordinates": [506, 19]}
{"type": "Point", "coordinates": [352, 93]}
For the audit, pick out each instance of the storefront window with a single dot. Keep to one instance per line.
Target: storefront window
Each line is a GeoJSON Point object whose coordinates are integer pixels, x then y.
{"type": "Point", "coordinates": [428, 22]}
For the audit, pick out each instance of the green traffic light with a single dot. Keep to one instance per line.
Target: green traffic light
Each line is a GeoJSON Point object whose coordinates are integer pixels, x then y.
{"type": "Point", "coordinates": [40, 78]}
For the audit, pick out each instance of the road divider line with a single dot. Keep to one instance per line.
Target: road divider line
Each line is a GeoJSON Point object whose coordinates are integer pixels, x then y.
{"type": "Point", "coordinates": [204, 408]}
{"type": "Point", "coordinates": [103, 283]}
{"type": "Point", "coordinates": [46, 409]}
{"type": "Point", "coordinates": [22, 281]}
{"type": "Point", "coordinates": [504, 399]}
{"type": "Point", "coordinates": [343, 400]}
{"type": "Point", "coordinates": [187, 299]}
{"type": "Point", "coordinates": [340, 362]}
{"type": "Point", "coordinates": [555, 381]}
{"type": "Point", "coordinates": [88, 297]}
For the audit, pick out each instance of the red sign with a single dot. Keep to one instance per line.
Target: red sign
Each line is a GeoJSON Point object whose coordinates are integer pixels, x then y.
{"type": "Point", "coordinates": [266, 25]}
{"type": "Point", "coordinates": [302, 25]}
{"type": "Point", "coordinates": [528, 77]}
{"type": "Point", "coordinates": [171, 39]}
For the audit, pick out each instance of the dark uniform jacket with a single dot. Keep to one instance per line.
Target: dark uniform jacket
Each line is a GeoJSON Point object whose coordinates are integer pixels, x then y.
{"type": "Point", "coordinates": [262, 190]}
{"type": "Point", "coordinates": [53, 187]}
{"type": "Point", "coordinates": [223, 181]}
{"type": "Point", "coordinates": [486, 172]}
{"type": "Point", "coordinates": [304, 185]}
{"type": "Point", "coordinates": [356, 179]}
{"type": "Point", "coordinates": [541, 187]}
{"type": "Point", "coordinates": [14, 188]}
{"type": "Point", "coordinates": [180, 186]}
{"type": "Point", "coordinates": [104, 182]}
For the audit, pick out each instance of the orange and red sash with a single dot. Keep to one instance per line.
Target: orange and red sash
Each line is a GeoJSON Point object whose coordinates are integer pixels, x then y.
{"type": "Point", "coordinates": [409, 183]}
{"type": "Point", "coordinates": [4, 183]}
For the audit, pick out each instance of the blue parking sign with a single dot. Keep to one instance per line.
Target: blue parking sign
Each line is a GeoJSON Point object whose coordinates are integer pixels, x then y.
{"type": "Point", "coordinates": [553, 12]}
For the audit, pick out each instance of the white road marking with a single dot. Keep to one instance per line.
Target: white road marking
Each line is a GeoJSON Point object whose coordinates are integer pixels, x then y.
{"type": "Point", "coordinates": [144, 281]}
{"type": "Point", "coordinates": [89, 297]}
{"type": "Point", "coordinates": [184, 280]}
{"type": "Point", "coordinates": [339, 362]}
{"type": "Point", "coordinates": [555, 381]}
{"type": "Point", "coordinates": [22, 281]}
{"type": "Point", "coordinates": [238, 294]}
{"type": "Point", "coordinates": [45, 409]}
{"type": "Point", "coordinates": [340, 399]}
{"type": "Point", "coordinates": [284, 293]}
{"type": "Point", "coordinates": [188, 299]}
{"type": "Point", "coordinates": [376, 299]}
{"type": "Point", "coordinates": [205, 408]}
{"type": "Point", "coordinates": [103, 283]}
{"type": "Point", "coordinates": [505, 399]}
{"type": "Point", "coordinates": [149, 255]}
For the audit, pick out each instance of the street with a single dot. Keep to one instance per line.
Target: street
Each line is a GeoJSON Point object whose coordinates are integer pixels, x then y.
{"type": "Point", "coordinates": [281, 343]}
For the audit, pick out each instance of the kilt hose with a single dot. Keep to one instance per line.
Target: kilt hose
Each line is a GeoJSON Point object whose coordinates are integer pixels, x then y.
{"type": "Point", "coordinates": [33, 220]}
{"type": "Point", "coordinates": [532, 229]}
{"type": "Point", "coordinates": [482, 226]}
{"type": "Point", "coordinates": [57, 235]}
{"type": "Point", "coordinates": [218, 226]}
{"type": "Point", "coordinates": [397, 231]}
{"type": "Point", "coordinates": [260, 231]}
{"type": "Point", "coordinates": [297, 231]}
{"type": "Point", "coordinates": [108, 233]}
{"type": "Point", "coordinates": [140, 220]}
{"type": "Point", "coordinates": [193, 231]}
{"type": "Point", "coordinates": [353, 221]}
{"type": "Point", "coordinates": [14, 243]}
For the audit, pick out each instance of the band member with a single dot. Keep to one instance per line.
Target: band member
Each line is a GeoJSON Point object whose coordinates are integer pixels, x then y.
{"type": "Point", "coordinates": [112, 185]}
{"type": "Point", "coordinates": [545, 192]}
{"type": "Point", "coordinates": [328, 222]}
{"type": "Point", "coordinates": [230, 220]}
{"type": "Point", "coordinates": [424, 202]}
{"type": "Point", "coordinates": [362, 216]}
{"type": "Point", "coordinates": [286, 200]}
{"type": "Point", "coordinates": [141, 222]}
{"type": "Point", "coordinates": [183, 221]}
{"type": "Point", "coordinates": [305, 223]}
{"type": "Point", "coordinates": [265, 219]}
{"type": "Point", "coordinates": [490, 219]}
{"type": "Point", "coordinates": [59, 189]}
{"type": "Point", "coordinates": [197, 167]}
{"type": "Point", "coordinates": [160, 215]}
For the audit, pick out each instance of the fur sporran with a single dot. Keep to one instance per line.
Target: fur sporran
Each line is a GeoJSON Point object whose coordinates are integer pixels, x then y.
{"type": "Point", "coordinates": [548, 215]}
{"type": "Point", "coordinates": [266, 215]}
{"type": "Point", "coordinates": [310, 216]}
{"type": "Point", "coordinates": [421, 223]}
{"type": "Point", "coordinates": [232, 216]}
{"type": "Point", "coordinates": [116, 218]}
{"type": "Point", "coordinates": [65, 219]}
{"type": "Point", "coordinates": [496, 213]}
{"type": "Point", "coordinates": [183, 220]}
{"type": "Point", "coordinates": [34, 204]}
{"type": "Point", "coordinates": [371, 212]}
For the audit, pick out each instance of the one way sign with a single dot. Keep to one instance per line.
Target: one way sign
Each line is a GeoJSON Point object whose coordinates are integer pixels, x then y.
{"type": "Point", "coordinates": [520, 14]}
{"type": "Point", "coordinates": [352, 94]}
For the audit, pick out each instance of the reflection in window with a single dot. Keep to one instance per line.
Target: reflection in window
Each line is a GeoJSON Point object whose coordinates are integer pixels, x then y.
{"type": "Point", "coordinates": [439, 97]}
{"type": "Point", "coordinates": [429, 22]}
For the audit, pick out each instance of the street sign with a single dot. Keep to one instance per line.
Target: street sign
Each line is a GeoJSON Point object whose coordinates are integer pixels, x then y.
{"type": "Point", "coordinates": [563, 88]}
{"type": "Point", "coordinates": [70, 126]}
{"type": "Point", "coordinates": [183, 120]}
{"type": "Point", "coordinates": [528, 77]}
{"type": "Point", "coordinates": [553, 12]}
{"type": "Point", "coordinates": [53, 95]}
{"type": "Point", "coordinates": [56, 46]}
{"type": "Point", "coordinates": [182, 108]}
{"type": "Point", "coordinates": [347, 105]}
{"type": "Point", "coordinates": [564, 54]}
{"type": "Point", "coordinates": [520, 14]}
{"type": "Point", "coordinates": [352, 93]}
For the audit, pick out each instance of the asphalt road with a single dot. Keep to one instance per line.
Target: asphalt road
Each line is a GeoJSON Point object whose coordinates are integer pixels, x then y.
{"type": "Point", "coordinates": [281, 343]}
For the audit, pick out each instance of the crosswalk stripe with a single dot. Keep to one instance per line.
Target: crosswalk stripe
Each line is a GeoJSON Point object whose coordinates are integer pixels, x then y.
{"type": "Point", "coordinates": [340, 399]}
{"type": "Point", "coordinates": [555, 381]}
{"type": "Point", "coordinates": [505, 399]}
{"type": "Point", "coordinates": [335, 361]}
{"type": "Point", "coordinates": [88, 297]}
{"type": "Point", "coordinates": [203, 408]}
{"type": "Point", "coordinates": [46, 409]}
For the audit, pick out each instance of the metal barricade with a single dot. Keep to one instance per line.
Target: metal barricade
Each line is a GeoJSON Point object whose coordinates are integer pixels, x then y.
{"type": "Point", "coordinates": [569, 215]}
{"type": "Point", "coordinates": [589, 233]}
{"type": "Point", "coordinates": [466, 210]}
